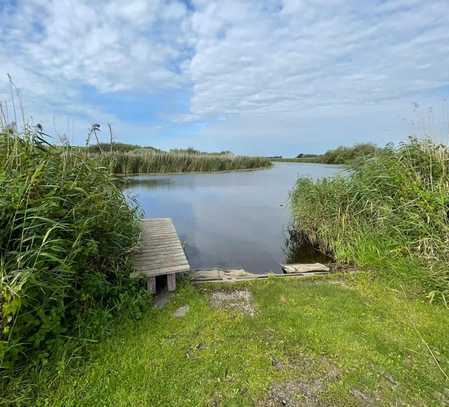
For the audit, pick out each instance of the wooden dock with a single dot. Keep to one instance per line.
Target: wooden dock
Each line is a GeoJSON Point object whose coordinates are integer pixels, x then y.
{"type": "Point", "coordinates": [160, 253]}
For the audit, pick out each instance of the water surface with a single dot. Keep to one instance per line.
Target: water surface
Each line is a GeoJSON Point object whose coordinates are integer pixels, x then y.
{"type": "Point", "coordinates": [232, 219]}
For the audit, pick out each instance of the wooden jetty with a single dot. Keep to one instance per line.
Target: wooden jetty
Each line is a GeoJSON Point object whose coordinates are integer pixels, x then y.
{"type": "Point", "coordinates": [160, 253]}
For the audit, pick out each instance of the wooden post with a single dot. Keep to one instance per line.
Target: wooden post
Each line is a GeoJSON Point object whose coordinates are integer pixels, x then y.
{"type": "Point", "coordinates": [171, 282]}
{"type": "Point", "coordinates": [151, 285]}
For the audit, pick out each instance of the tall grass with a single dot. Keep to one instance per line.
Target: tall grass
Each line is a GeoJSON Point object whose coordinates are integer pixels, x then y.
{"type": "Point", "coordinates": [65, 232]}
{"type": "Point", "coordinates": [124, 163]}
{"type": "Point", "coordinates": [390, 213]}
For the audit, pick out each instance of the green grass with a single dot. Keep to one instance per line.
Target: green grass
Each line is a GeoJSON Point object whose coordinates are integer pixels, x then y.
{"type": "Point", "coordinates": [128, 163]}
{"type": "Point", "coordinates": [389, 214]}
{"type": "Point", "coordinates": [335, 343]}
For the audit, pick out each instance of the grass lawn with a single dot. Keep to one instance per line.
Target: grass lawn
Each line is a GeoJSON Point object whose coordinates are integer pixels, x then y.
{"type": "Point", "coordinates": [341, 341]}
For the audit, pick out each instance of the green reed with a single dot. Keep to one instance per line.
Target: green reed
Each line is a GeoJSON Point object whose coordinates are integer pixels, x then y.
{"type": "Point", "coordinates": [127, 163]}
{"type": "Point", "coordinates": [65, 234]}
{"type": "Point", "coordinates": [390, 213]}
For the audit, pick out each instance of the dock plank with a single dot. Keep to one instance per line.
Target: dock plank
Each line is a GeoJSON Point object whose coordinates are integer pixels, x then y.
{"type": "Point", "coordinates": [160, 250]}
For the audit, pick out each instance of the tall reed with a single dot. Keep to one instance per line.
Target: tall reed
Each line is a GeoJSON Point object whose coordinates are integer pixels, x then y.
{"type": "Point", "coordinates": [126, 163]}
{"type": "Point", "coordinates": [391, 212]}
{"type": "Point", "coordinates": [65, 232]}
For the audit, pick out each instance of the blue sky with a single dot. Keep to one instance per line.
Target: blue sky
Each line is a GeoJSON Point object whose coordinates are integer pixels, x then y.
{"type": "Point", "coordinates": [252, 76]}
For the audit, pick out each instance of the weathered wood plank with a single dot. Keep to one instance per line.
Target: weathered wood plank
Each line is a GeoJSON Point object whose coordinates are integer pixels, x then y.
{"type": "Point", "coordinates": [160, 263]}
{"type": "Point", "coordinates": [304, 268]}
{"type": "Point", "coordinates": [161, 238]}
{"type": "Point", "coordinates": [158, 233]}
{"type": "Point", "coordinates": [158, 270]}
{"type": "Point", "coordinates": [151, 229]}
{"type": "Point", "coordinates": [160, 252]}
{"type": "Point", "coordinates": [235, 275]}
{"type": "Point", "coordinates": [162, 256]}
{"type": "Point", "coordinates": [147, 246]}
{"type": "Point", "coordinates": [155, 243]}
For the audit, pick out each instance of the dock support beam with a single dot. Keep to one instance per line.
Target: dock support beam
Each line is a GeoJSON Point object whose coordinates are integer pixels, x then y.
{"type": "Point", "coordinates": [171, 282]}
{"type": "Point", "coordinates": [151, 285]}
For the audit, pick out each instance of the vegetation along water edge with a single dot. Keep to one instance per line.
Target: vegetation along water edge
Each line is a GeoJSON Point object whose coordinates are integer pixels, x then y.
{"type": "Point", "coordinates": [76, 329]}
{"type": "Point", "coordinates": [390, 214]}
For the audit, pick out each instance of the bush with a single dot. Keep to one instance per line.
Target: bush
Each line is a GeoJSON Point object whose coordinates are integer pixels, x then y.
{"type": "Point", "coordinates": [65, 232]}
{"type": "Point", "coordinates": [391, 212]}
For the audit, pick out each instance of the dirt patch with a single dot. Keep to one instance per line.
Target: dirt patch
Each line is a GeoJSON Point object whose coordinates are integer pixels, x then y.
{"type": "Point", "coordinates": [294, 394]}
{"type": "Point", "coordinates": [236, 300]}
{"type": "Point", "coordinates": [364, 398]}
{"type": "Point", "coordinates": [307, 389]}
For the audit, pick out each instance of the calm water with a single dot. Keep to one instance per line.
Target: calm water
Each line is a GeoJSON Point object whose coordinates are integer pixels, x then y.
{"type": "Point", "coordinates": [234, 219]}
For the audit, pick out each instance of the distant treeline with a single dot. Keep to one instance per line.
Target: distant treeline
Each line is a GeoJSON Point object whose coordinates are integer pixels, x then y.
{"type": "Point", "coordinates": [339, 155]}
{"type": "Point", "coordinates": [121, 147]}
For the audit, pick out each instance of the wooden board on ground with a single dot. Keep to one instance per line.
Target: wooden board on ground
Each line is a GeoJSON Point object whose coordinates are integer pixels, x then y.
{"type": "Point", "coordinates": [160, 251]}
{"type": "Point", "coordinates": [219, 275]}
{"type": "Point", "coordinates": [300, 268]}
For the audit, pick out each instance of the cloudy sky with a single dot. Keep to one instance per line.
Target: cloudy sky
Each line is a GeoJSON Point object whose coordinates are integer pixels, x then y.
{"type": "Point", "coordinates": [251, 76]}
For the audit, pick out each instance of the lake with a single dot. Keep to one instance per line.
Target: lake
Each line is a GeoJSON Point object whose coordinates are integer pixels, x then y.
{"type": "Point", "coordinates": [231, 219]}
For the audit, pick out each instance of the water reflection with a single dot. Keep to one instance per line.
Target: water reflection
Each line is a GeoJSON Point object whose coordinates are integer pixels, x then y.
{"type": "Point", "coordinates": [235, 219]}
{"type": "Point", "coordinates": [299, 249]}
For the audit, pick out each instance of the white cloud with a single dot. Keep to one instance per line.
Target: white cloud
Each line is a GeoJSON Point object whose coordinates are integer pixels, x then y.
{"type": "Point", "coordinates": [312, 54]}
{"type": "Point", "coordinates": [57, 46]}
{"type": "Point", "coordinates": [263, 65]}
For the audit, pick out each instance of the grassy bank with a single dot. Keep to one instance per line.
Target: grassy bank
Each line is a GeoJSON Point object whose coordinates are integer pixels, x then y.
{"type": "Point", "coordinates": [349, 340]}
{"type": "Point", "coordinates": [340, 342]}
{"type": "Point", "coordinates": [127, 163]}
{"type": "Point", "coordinates": [391, 214]}
{"type": "Point", "coordinates": [65, 233]}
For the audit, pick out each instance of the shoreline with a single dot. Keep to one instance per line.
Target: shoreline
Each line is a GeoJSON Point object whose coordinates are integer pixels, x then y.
{"type": "Point", "coordinates": [153, 174]}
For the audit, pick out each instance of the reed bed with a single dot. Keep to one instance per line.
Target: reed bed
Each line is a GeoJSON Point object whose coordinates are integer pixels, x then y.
{"type": "Point", "coordinates": [128, 163]}
{"type": "Point", "coordinates": [65, 234]}
{"type": "Point", "coordinates": [340, 155]}
{"type": "Point", "coordinates": [390, 213]}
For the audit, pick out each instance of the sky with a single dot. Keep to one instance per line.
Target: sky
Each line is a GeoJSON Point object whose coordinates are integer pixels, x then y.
{"type": "Point", "coordinates": [268, 77]}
